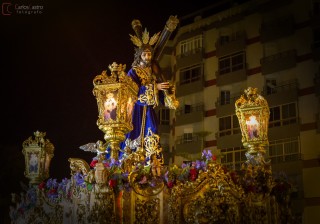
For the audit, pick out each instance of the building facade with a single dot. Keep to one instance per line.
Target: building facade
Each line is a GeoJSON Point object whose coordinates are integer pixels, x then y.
{"type": "Point", "coordinates": [218, 52]}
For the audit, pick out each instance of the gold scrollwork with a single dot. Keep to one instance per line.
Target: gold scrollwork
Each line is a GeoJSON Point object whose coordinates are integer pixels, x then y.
{"type": "Point", "coordinates": [147, 211]}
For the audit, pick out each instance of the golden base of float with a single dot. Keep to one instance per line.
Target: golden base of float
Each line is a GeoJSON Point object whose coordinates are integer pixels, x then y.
{"type": "Point", "coordinates": [130, 191]}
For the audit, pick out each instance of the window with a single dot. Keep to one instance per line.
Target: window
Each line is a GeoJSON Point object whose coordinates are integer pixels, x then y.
{"type": "Point", "coordinates": [224, 39]}
{"type": "Point", "coordinates": [225, 97]}
{"type": "Point", "coordinates": [227, 36]}
{"type": "Point", "coordinates": [235, 125]}
{"type": "Point", "coordinates": [289, 114]}
{"type": "Point", "coordinates": [187, 137]}
{"type": "Point", "coordinates": [191, 45]}
{"type": "Point", "coordinates": [228, 125]}
{"type": "Point", "coordinates": [271, 85]}
{"type": "Point", "coordinates": [284, 150]}
{"type": "Point", "coordinates": [274, 119]}
{"type": "Point", "coordinates": [187, 109]}
{"type": "Point", "coordinates": [190, 74]}
{"type": "Point", "coordinates": [231, 63]}
{"type": "Point", "coordinates": [233, 157]}
{"type": "Point", "coordinates": [283, 115]}
{"type": "Point", "coordinates": [225, 126]}
{"type": "Point", "coordinates": [164, 115]}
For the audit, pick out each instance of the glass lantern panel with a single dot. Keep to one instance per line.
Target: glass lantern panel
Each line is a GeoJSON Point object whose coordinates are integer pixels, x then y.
{"type": "Point", "coordinates": [33, 162]}
{"type": "Point", "coordinates": [253, 126]}
{"type": "Point", "coordinates": [110, 106]}
{"type": "Point", "coordinates": [129, 109]}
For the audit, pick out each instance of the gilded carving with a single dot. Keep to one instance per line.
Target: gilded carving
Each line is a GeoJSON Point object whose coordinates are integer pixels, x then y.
{"type": "Point", "coordinates": [147, 211]}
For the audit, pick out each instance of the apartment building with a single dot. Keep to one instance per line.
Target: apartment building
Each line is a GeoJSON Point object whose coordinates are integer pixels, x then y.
{"type": "Point", "coordinates": [218, 52]}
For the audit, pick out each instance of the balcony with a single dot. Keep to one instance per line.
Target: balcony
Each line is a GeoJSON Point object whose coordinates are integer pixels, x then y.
{"type": "Point", "coordinates": [285, 158]}
{"type": "Point", "coordinates": [286, 128]}
{"type": "Point", "coordinates": [283, 93]}
{"type": "Point", "coordinates": [191, 57]}
{"type": "Point", "coordinates": [226, 107]}
{"type": "Point", "coordinates": [194, 86]}
{"type": "Point", "coordinates": [277, 28]}
{"type": "Point", "coordinates": [278, 62]}
{"type": "Point", "coordinates": [164, 128]}
{"type": "Point", "coordinates": [234, 76]}
{"type": "Point", "coordinates": [195, 113]}
{"type": "Point", "coordinates": [189, 146]}
{"type": "Point", "coordinates": [235, 44]}
{"type": "Point", "coordinates": [229, 138]}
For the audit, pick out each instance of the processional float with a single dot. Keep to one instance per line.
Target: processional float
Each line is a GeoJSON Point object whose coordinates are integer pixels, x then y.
{"type": "Point", "coordinates": [129, 190]}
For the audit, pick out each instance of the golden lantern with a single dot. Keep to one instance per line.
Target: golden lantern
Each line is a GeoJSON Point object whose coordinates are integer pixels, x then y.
{"type": "Point", "coordinates": [38, 153]}
{"type": "Point", "coordinates": [116, 94]}
{"type": "Point", "coordinates": [253, 114]}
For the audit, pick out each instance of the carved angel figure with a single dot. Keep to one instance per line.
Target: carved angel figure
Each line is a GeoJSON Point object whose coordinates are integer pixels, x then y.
{"type": "Point", "coordinates": [97, 147]}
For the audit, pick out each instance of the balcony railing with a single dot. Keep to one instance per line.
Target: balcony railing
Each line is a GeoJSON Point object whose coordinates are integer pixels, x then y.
{"type": "Point", "coordinates": [277, 62]}
{"type": "Point", "coordinates": [193, 108]}
{"type": "Point", "coordinates": [190, 52]}
{"type": "Point", "coordinates": [275, 57]}
{"type": "Point", "coordinates": [186, 146]}
{"type": "Point", "coordinates": [280, 88]}
{"type": "Point", "coordinates": [233, 98]}
{"type": "Point", "coordinates": [286, 157]}
{"type": "Point", "coordinates": [283, 122]}
{"type": "Point", "coordinates": [237, 73]}
{"type": "Point", "coordinates": [231, 131]}
{"type": "Point", "coordinates": [183, 140]}
{"type": "Point", "coordinates": [277, 28]}
{"type": "Point", "coordinates": [235, 42]}
{"type": "Point", "coordinates": [194, 56]}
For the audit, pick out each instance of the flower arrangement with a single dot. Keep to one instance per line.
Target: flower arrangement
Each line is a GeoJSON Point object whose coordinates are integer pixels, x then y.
{"type": "Point", "coordinates": [282, 188]}
{"type": "Point", "coordinates": [188, 172]}
{"type": "Point", "coordinates": [251, 178]}
{"type": "Point", "coordinates": [55, 191]}
{"type": "Point", "coordinates": [116, 179]}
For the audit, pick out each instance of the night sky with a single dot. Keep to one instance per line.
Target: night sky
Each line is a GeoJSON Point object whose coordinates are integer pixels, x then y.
{"type": "Point", "coordinates": [48, 62]}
